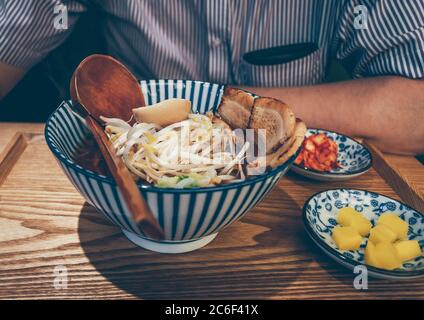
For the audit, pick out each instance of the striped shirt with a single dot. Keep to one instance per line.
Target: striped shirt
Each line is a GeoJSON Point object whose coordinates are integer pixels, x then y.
{"type": "Point", "coordinates": [206, 39]}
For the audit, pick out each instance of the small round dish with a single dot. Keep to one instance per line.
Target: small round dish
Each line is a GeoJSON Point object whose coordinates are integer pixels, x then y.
{"type": "Point", "coordinates": [319, 218]}
{"type": "Point", "coordinates": [354, 158]}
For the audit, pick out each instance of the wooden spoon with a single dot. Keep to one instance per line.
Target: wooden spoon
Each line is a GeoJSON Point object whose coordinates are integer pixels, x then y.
{"type": "Point", "coordinates": [102, 86]}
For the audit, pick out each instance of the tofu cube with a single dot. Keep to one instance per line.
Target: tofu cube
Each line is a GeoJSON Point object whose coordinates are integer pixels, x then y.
{"type": "Point", "coordinates": [346, 238]}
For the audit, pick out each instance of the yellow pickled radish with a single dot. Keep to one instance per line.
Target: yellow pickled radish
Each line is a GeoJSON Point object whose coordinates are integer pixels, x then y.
{"type": "Point", "coordinates": [408, 249]}
{"type": "Point", "coordinates": [382, 250]}
{"type": "Point", "coordinates": [346, 238]}
{"type": "Point", "coordinates": [349, 217]}
{"type": "Point", "coordinates": [362, 224]}
{"type": "Point", "coordinates": [370, 256]}
{"type": "Point", "coordinates": [386, 257]}
{"type": "Point", "coordinates": [345, 216]}
{"type": "Point", "coordinates": [381, 233]}
{"type": "Point", "coordinates": [396, 224]}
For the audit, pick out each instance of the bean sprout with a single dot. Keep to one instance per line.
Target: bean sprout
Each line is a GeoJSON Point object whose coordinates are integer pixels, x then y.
{"type": "Point", "coordinates": [192, 153]}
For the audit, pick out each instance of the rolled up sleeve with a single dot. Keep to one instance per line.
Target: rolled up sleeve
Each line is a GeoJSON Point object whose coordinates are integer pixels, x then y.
{"type": "Point", "coordinates": [390, 41]}
{"type": "Point", "coordinates": [30, 29]}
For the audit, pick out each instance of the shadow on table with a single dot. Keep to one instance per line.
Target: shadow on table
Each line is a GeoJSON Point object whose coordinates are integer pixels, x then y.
{"type": "Point", "coordinates": [232, 266]}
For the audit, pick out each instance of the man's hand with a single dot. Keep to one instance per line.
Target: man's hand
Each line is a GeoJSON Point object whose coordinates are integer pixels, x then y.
{"type": "Point", "coordinates": [388, 111]}
{"type": "Point", "coordinates": [9, 77]}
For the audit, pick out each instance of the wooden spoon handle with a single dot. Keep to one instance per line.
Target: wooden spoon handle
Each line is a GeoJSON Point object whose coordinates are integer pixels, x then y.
{"type": "Point", "coordinates": [140, 211]}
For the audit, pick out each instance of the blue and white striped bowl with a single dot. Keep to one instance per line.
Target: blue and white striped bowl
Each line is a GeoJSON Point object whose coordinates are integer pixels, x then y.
{"type": "Point", "coordinates": [190, 218]}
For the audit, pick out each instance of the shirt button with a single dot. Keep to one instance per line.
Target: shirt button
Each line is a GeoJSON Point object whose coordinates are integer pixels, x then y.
{"type": "Point", "coordinates": [244, 73]}
{"type": "Point", "coordinates": [215, 42]}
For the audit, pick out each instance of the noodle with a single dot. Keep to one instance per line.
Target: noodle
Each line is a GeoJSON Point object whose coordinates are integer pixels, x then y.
{"type": "Point", "coordinates": [192, 153]}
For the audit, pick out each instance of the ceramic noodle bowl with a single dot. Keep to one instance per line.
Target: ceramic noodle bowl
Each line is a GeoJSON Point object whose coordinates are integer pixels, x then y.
{"type": "Point", "coordinates": [190, 218]}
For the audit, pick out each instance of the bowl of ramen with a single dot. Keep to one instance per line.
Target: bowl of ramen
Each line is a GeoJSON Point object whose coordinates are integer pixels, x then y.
{"type": "Point", "coordinates": [202, 154]}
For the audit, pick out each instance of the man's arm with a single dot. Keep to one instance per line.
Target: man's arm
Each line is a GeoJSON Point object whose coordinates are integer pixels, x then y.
{"type": "Point", "coordinates": [29, 34]}
{"type": "Point", "coordinates": [388, 111]}
{"type": "Point", "coordinates": [9, 77]}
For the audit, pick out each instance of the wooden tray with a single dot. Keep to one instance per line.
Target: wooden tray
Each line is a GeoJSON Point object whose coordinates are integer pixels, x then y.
{"type": "Point", "coordinates": [47, 226]}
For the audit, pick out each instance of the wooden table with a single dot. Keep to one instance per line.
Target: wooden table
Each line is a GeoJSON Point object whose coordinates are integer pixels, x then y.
{"type": "Point", "coordinates": [45, 223]}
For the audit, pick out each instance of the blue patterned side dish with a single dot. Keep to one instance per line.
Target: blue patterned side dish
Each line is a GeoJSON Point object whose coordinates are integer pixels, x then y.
{"type": "Point", "coordinates": [353, 157]}
{"type": "Point", "coordinates": [320, 212]}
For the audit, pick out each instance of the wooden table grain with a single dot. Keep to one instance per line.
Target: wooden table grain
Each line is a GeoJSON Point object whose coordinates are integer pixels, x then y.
{"type": "Point", "coordinates": [46, 226]}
